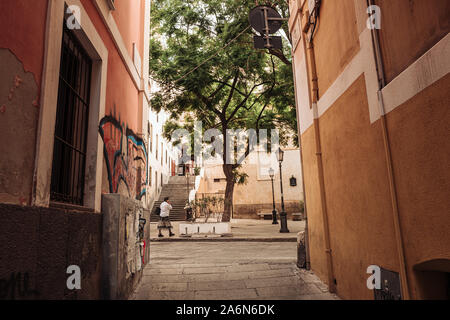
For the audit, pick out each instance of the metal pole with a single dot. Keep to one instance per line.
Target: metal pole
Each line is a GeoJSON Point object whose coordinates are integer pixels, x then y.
{"type": "Point", "coordinates": [283, 215]}
{"type": "Point", "coordinates": [274, 211]}
{"type": "Point", "coordinates": [267, 29]}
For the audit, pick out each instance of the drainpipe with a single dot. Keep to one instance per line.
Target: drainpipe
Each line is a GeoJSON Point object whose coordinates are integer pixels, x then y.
{"type": "Point", "coordinates": [314, 98]}
{"type": "Point", "coordinates": [308, 258]}
{"type": "Point", "coordinates": [387, 148]}
{"type": "Point", "coordinates": [305, 213]}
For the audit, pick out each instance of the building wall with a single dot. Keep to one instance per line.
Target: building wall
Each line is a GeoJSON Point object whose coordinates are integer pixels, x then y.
{"type": "Point", "coordinates": [256, 195]}
{"type": "Point", "coordinates": [338, 48]}
{"type": "Point", "coordinates": [420, 143]}
{"type": "Point", "coordinates": [122, 125]}
{"type": "Point", "coordinates": [21, 64]}
{"type": "Point", "coordinates": [24, 37]}
{"type": "Point", "coordinates": [409, 29]}
{"type": "Point", "coordinates": [159, 166]}
{"type": "Point", "coordinates": [415, 50]}
{"type": "Point", "coordinates": [58, 236]}
{"type": "Point", "coordinates": [37, 246]}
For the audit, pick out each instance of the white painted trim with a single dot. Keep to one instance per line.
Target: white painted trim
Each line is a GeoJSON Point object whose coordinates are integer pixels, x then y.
{"type": "Point", "coordinates": [362, 63]}
{"type": "Point", "coordinates": [98, 52]}
{"type": "Point", "coordinates": [95, 47]}
{"type": "Point", "coordinates": [425, 71]}
{"type": "Point", "coordinates": [301, 81]}
{"type": "Point", "coordinates": [429, 68]}
{"type": "Point", "coordinates": [49, 99]}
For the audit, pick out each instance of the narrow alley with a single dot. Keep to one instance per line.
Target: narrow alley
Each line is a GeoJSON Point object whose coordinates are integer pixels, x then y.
{"type": "Point", "coordinates": [227, 271]}
{"type": "Point", "coordinates": [183, 150]}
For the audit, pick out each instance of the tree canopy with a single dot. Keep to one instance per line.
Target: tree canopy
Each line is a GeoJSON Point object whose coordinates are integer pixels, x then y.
{"type": "Point", "coordinates": [204, 62]}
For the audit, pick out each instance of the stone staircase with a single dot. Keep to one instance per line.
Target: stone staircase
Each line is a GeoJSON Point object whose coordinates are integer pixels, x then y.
{"type": "Point", "coordinates": [177, 191]}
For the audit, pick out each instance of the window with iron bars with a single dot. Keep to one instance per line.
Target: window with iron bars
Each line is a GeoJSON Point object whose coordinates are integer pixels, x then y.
{"type": "Point", "coordinates": [70, 140]}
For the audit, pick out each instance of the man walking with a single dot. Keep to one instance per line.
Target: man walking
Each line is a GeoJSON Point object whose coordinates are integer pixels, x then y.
{"type": "Point", "coordinates": [164, 222]}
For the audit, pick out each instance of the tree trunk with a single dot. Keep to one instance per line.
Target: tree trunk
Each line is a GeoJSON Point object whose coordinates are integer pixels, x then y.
{"type": "Point", "coordinates": [228, 204]}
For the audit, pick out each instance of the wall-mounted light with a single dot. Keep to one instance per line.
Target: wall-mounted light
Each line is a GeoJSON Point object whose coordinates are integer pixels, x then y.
{"type": "Point", "coordinates": [293, 181]}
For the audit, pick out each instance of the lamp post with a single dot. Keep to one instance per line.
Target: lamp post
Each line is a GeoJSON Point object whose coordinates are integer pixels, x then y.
{"type": "Point", "coordinates": [274, 211]}
{"type": "Point", "coordinates": [187, 182]}
{"type": "Point", "coordinates": [283, 215]}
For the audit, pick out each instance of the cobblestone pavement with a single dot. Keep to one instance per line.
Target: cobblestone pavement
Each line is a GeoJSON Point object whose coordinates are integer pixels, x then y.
{"type": "Point", "coordinates": [243, 229]}
{"type": "Point", "coordinates": [227, 271]}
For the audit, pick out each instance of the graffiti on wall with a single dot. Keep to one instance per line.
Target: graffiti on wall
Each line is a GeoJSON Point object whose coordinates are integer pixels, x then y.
{"type": "Point", "coordinates": [125, 156]}
{"type": "Point", "coordinates": [16, 286]}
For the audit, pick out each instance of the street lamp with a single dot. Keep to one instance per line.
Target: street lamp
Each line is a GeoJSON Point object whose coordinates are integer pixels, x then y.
{"type": "Point", "coordinates": [187, 182]}
{"type": "Point", "coordinates": [274, 212]}
{"type": "Point", "coordinates": [283, 216]}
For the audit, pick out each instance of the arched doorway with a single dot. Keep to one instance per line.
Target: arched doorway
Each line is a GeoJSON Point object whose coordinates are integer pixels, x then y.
{"type": "Point", "coordinates": [433, 277]}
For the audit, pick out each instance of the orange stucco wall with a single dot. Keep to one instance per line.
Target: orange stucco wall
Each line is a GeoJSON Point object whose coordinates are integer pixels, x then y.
{"type": "Point", "coordinates": [355, 170]}
{"type": "Point", "coordinates": [336, 38]}
{"type": "Point", "coordinates": [122, 95]}
{"type": "Point", "coordinates": [357, 189]}
{"type": "Point", "coordinates": [129, 16]}
{"type": "Point", "coordinates": [357, 192]}
{"type": "Point", "coordinates": [420, 138]}
{"type": "Point", "coordinates": [23, 32]}
{"type": "Point", "coordinates": [21, 65]}
{"type": "Point", "coordinates": [313, 203]}
{"type": "Point", "coordinates": [409, 29]}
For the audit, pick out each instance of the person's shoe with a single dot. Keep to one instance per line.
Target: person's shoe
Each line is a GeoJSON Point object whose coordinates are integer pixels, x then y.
{"type": "Point", "coordinates": [160, 235]}
{"type": "Point", "coordinates": [171, 235]}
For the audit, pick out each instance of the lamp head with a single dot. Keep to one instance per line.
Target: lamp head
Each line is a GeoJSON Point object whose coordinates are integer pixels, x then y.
{"type": "Point", "coordinates": [280, 155]}
{"type": "Point", "coordinates": [271, 173]}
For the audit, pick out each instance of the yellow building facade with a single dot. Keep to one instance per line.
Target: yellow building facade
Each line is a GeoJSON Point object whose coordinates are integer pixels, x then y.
{"type": "Point", "coordinates": [372, 88]}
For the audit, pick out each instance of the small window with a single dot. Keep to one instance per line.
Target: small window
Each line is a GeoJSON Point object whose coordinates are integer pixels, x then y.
{"type": "Point", "coordinates": [150, 177]}
{"type": "Point", "coordinates": [151, 137]}
{"type": "Point", "coordinates": [156, 152]}
{"type": "Point", "coordinates": [216, 180]}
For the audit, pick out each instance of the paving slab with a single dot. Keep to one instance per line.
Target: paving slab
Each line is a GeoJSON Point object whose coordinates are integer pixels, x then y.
{"type": "Point", "coordinates": [150, 271]}
{"type": "Point", "coordinates": [251, 230]}
{"type": "Point", "coordinates": [285, 291]}
{"type": "Point", "coordinates": [229, 294]}
{"type": "Point", "coordinates": [216, 285]}
{"type": "Point", "coordinates": [274, 282]}
{"type": "Point", "coordinates": [166, 286]}
{"type": "Point", "coordinates": [271, 274]}
{"type": "Point", "coordinates": [227, 271]}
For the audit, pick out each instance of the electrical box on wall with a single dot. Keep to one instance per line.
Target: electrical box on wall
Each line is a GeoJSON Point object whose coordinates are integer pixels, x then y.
{"type": "Point", "coordinates": [390, 286]}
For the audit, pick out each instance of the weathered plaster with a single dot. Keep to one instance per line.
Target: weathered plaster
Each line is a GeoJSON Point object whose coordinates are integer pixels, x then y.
{"type": "Point", "coordinates": [18, 120]}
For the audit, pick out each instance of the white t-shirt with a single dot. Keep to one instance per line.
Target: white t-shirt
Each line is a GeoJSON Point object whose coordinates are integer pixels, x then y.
{"type": "Point", "coordinates": [165, 209]}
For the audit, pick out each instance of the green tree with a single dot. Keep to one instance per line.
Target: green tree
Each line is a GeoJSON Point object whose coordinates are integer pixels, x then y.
{"type": "Point", "coordinates": [202, 58]}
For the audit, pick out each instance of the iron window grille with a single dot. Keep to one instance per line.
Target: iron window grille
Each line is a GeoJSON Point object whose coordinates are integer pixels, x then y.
{"type": "Point", "coordinates": [69, 152]}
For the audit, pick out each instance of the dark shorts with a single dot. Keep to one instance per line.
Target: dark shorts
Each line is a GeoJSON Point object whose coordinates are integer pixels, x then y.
{"type": "Point", "coordinates": [164, 223]}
